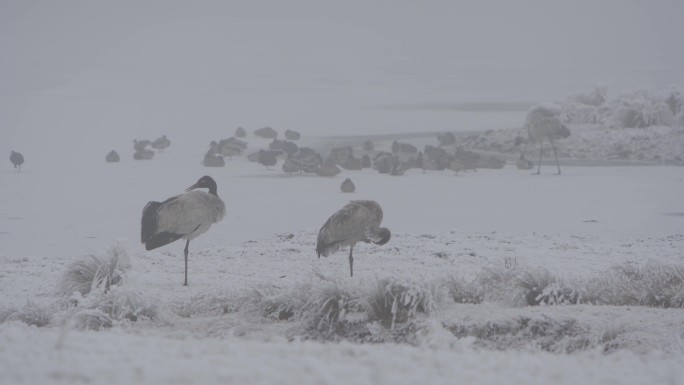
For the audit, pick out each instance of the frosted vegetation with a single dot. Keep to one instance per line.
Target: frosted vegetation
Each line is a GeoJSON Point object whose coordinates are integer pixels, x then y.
{"type": "Point", "coordinates": [93, 295]}
{"type": "Point", "coordinates": [645, 125]}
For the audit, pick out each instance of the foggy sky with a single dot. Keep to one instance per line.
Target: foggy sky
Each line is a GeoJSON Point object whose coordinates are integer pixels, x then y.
{"type": "Point", "coordinates": [316, 65]}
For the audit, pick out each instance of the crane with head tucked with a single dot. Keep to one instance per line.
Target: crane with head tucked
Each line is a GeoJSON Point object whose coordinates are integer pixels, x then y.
{"type": "Point", "coordinates": [358, 221]}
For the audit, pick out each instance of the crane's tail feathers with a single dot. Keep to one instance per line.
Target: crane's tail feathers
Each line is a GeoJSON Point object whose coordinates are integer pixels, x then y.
{"type": "Point", "coordinates": [148, 224]}
{"type": "Point", "coordinates": [161, 239]}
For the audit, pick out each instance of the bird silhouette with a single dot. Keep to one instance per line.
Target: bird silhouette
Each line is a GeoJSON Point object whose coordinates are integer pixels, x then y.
{"type": "Point", "coordinates": [358, 221]}
{"type": "Point", "coordinates": [543, 123]}
{"type": "Point", "coordinates": [184, 216]}
{"type": "Point", "coordinates": [17, 160]}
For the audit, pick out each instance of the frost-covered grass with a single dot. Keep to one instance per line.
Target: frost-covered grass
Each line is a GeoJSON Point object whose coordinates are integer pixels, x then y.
{"type": "Point", "coordinates": [88, 273]}
{"type": "Point", "coordinates": [628, 284]}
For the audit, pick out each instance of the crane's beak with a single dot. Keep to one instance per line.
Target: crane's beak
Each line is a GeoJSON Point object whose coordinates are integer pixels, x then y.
{"type": "Point", "coordinates": [194, 186]}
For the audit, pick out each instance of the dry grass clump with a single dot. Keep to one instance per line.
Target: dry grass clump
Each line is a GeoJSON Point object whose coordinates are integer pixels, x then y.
{"type": "Point", "coordinates": [392, 302]}
{"type": "Point", "coordinates": [654, 285]}
{"type": "Point", "coordinates": [88, 273]}
{"type": "Point", "coordinates": [117, 305]}
{"type": "Point", "coordinates": [31, 314]}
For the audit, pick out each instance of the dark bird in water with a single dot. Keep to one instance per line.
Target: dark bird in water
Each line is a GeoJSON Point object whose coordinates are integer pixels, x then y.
{"type": "Point", "coordinates": [161, 143]}
{"type": "Point", "coordinates": [112, 157]}
{"type": "Point", "coordinates": [17, 160]}
{"type": "Point", "coordinates": [184, 216]}
{"type": "Point", "coordinates": [292, 135]}
{"type": "Point", "coordinates": [358, 221]}
{"type": "Point", "coordinates": [143, 155]}
{"type": "Point", "coordinates": [269, 157]}
{"type": "Point", "coordinates": [542, 123]}
{"type": "Point", "coordinates": [347, 186]}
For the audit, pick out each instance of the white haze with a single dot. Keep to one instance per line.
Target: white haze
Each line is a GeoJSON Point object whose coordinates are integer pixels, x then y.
{"type": "Point", "coordinates": [80, 75]}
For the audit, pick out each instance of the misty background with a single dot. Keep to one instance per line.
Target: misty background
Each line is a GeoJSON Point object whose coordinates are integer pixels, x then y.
{"type": "Point", "coordinates": [81, 77]}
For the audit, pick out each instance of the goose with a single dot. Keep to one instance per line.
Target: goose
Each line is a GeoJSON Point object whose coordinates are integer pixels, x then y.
{"type": "Point", "coordinates": [356, 222]}
{"type": "Point", "coordinates": [184, 216]}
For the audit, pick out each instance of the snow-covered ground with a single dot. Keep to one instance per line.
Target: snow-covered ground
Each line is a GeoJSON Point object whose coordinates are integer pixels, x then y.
{"type": "Point", "coordinates": [231, 325]}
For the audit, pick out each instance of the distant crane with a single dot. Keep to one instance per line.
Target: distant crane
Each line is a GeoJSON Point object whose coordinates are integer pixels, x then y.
{"type": "Point", "coordinates": [358, 221]}
{"type": "Point", "coordinates": [184, 216]}
{"type": "Point", "coordinates": [543, 123]}
{"type": "Point", "coordinates": [17, 160]}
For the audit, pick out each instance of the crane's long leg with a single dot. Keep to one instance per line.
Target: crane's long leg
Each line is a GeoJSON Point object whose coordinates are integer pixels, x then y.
{"type": "Point", "coordinates": [187, 244]}
{"type": "Point", "coordinates": [351, 261]}
{"type": "Point", "coordinates": [540, 156]}
{"type": "Point", "coordinates": [556, 155]}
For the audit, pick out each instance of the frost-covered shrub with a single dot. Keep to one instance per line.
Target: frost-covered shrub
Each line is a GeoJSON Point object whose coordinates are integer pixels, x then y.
{"type": "Point", "coordinates": [221, 302]}
{"type": "Point", "coordinates": [595, 98]}
{"type": "Point", "coordinates": [557, 335]}
{"type": "Point", "coordinates": [101, 309]}
{"type": "Point", "coordinates": [576, 113]}
{"type": "Point", "coordinates": [640, 109]}
{"type": "Point", "coordinates": [92, 272]}
{"type": "Point", "coordinates": [498, 283]}
{"type": "Point", "coordinates": [31, 314]}
{"type": "Point", "coordinates": [274, 303]}
{"type": "Point", "coordinates": [391, 302]}
{"type": "Point", "coordinates": [328, 304]}
{"type": "Point", "coordinates": [655, 285]}
{"type": "Point", "coordinates": [92, 319]}
{"type": "Point", "coordinates": [463, 291]}
{"type": "Point", "coordinates": [541, 288]}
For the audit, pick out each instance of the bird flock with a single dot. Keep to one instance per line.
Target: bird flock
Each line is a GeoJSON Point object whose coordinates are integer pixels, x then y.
{"type": "Point", "coordinates": [188, 215]}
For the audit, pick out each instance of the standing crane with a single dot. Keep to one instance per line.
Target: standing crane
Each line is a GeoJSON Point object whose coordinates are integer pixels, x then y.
{"type": "Point", "coordinates": [542, 124]}
{"type": "Point", "coordinates": [184, 216]}
{"type": "Point", "coordinates": [356, 222]}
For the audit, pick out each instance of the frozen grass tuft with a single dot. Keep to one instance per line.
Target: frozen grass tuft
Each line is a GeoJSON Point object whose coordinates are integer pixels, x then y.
{"type": "Point", "coordinates": [220, 302]}
{"type": "Point", "coordinates": [274, 303]}
{"type": "Point", "coordinates": [92, 272]}
{"type": "Point", "coordinates": [541, 332]}
{"type": "Point", "coordinates": [654, 285]}
{"type": "Point", "coordinates": [392, 302]}
{"type": "Point", "coordinates": [328, 305]}
{"type": "Point", "coordinates": [31, 314]}
{"type": "Point", "coordinates": [100, 310]}
{"type": "Point", "coordinates": [462, 291]}
{"type": "Point", "coordinates": [540, 287]}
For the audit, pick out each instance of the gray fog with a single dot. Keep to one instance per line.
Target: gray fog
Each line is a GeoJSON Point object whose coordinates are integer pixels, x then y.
{"type": "Point", "coordinates": [99, 74]}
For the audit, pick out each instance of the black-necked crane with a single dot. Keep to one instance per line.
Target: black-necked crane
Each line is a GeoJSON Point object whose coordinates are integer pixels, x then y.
{"type": "Point", "coordinates": [184, 216]}
{"type": "Point", "coordinates": [358, 221]}
{"type": "Point", "coordinates": [542, 124]}
{"type": "Point", "coordinates": [17, 160]}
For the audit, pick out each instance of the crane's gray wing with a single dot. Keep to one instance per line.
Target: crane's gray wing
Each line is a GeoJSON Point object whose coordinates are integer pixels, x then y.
{"type": "Point", "coordinates": [351, 224]}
